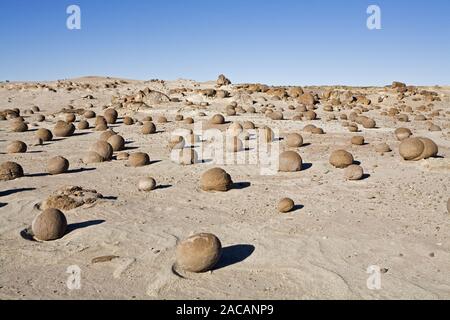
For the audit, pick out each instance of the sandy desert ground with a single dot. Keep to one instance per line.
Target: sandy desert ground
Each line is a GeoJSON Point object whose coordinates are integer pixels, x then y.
{"type": "Point", "coordinates": [395, 217]}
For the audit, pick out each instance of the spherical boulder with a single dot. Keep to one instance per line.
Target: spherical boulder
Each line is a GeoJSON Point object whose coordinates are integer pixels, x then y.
{"type": "Point", "coordinates": [402, 133]}
{"type": "Point", "coordinates": [100, 120]}
{"type": "Point", "coordinates": [83, 125]}
{"type": "Point", "coordinates": [63, 129]}
{"type": "Point", "coordinates": [317, 131]}
{"type": "Point", "coordinates": [382, 148]}
{"type": "Point", "coordinates": [104, 149]}
{"type": "Point", "coordinates": [89, 114]}
{"type": "Point", "coordinates": [148, 128]}
{"type": "Point", "coordinates": [352, 128]}
{"type": "Point", "coordinates": [285, 205]}
{"type": "Point", "coordinates": [101, 127]}
{"type": "Point", "coordinates": [138, 159]}
{"type": "Point", "coordinates": [231, 112]}
{"type": "Point", "coordinates": [276, 115]}
{"type": "Point", "coordinates": [290, 161]}
{"type": "Point", "coordinates": [18, 126]}
{"type": "Point", "coordinates": [294, 140]}
{"type": "Point", "coordinates": [117, 142]}
{"type": "Point", "coordinates": [188, 120]}
{"type": "Point", "coordinates": [354, 172]}
{"type": "Point", "coordinates": [198, 253]}
{"type": "Point", "coordinates": [430, 149]}
{"type": "Point", "coordinates": [248, 125]}
{"type": "Point", "coordinates": [128, 121]}
{"type": "Point", "coordinates": [357, 140]}
{"type": "Point", "coordinates": [106, 135]}
{"type": "Point", "coordinates": [368, 123]}
{"type": "Point", "coordinates": [309, 128]}
{"type": "Point", "coordinates": [146, 184]}
{"type": "Point", "coordinates": [161, 119]}
{"type": "Point", "coordinates": [57, 165]}
{"type": "Point", "coordinates": [44, 134]}
{"type": "Point", "coordinates": [50, 224]}
{"type": "Point", "coordinates": [310, 115]}
{"type": "Point", "coordinates": [16, 147]}
{"type": "Point", "coordinates": [218, 119]}
{"type": "Point", "coordinates": [411, 148]}
{"type": "Point", "coordinates": [10, 171]}
{"type": "Point", "coordinates": [92, 157]}
{"type": "Point", "coordinates": [111, 115]}
{"type": "Point", "coordinates": [216, 179]}
{"type": "Point", "coordinates": [70, 117]}
{"type": "Point", "coordinates": [341, 159]}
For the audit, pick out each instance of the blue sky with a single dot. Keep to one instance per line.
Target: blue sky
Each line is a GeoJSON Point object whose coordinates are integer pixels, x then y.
{"type": "Point", "coordinates": [274, 42]}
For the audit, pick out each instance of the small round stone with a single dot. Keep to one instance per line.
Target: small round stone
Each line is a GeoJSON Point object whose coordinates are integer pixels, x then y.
{"type": "Point", "coordinates": [138, 159]}
{"type": "Point", "coordinates": [50, 224]}
{"type": "Point", "coordinates": [411, 148]}
{"type": "Point", "coordinates": [148, 128]}
{"type": "Point", "coordinates": [402, 133]}
{"type": "Point", "coordinates": [358, 140]}
{"type": "Point", "coordinates": [290, 161]}
{"type": "Point", "coordinates": [341, 159]}
{"type": "Point", "coordinates": [382, 148]}
{"type": "Point", "coordinates": [16, 147]}
{"type": "Point", "coordinates": [92, 157]}
{"type": "Point", "coordinates": [63, 129]}
{"type": "Point", "coordinates": [218, 119]}
{"type": "Point", "coordinates": [128, 121]}
{"type": "Point", "coordinates": [83, 125]}
{"type": "Point", "coordinates": [117, 142]}
{"type": "Point", "coordinates": [198, 253]}
{"type": "Point", "coordinates": [354, 172]}
{"type": "Point", "coordinates": [57, 165]}
{"type": "Point", "coordinates": [44, 134]}
{"type": "Point", "coordinates": [104, 149]}
{"type": "Point", "coordinates": [216, 179]}
{"type": "Point", "coordinates": [146, 184]}
{"type": "Point", "coordinates": [285, 205]}
{"type": "Point", "coordinates": [10, 171]}
{"type": "Point", "coordinates": [294, 140]}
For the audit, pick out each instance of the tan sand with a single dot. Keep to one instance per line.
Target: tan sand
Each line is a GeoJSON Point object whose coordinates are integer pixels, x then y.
{"type": "Point", "coordinates": [396, 218]}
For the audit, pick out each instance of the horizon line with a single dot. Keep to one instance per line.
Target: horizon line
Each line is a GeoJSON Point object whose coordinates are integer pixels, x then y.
{"type": "Point", "coordinates": [72, 78]}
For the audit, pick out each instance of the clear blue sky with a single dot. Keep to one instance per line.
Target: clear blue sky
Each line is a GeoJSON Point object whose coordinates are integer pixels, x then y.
{"type": "Point", "coordinates": [274, 42]}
